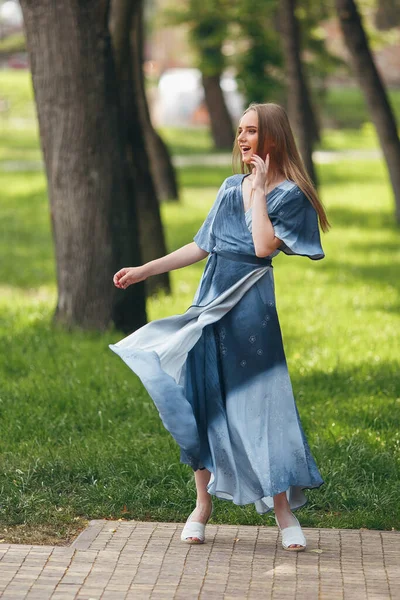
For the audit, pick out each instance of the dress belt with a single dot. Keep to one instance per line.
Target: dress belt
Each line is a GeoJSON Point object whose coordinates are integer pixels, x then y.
{"type": "Point", "coordinates": [244, 258]}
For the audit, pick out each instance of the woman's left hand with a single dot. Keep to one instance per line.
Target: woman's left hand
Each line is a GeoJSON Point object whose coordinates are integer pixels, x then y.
{"type": "Point", "coordinates": [260, 171]}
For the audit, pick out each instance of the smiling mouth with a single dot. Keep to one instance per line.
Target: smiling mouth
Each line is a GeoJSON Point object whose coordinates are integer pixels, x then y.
{"type": "Point", "coordinates": [245, 149]}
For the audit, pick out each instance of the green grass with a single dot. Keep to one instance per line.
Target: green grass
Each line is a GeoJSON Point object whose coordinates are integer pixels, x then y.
{"type": "Point", "coordinates": [19, 140]}
{"type": "Point", "coordinates": [346, 108]}
{"type": "Point", "coordinates": [79, 436]}
{"type": "Point", "coordinates": [364, 138]}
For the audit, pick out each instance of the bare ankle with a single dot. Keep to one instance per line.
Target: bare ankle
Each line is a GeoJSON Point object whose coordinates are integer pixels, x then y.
{"type": "Point", "coordinates": [203, 501]}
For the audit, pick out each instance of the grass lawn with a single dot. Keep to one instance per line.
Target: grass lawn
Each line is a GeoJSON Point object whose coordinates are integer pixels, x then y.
{"type": "Point", "coordinates": [345, 107]}
{"type": "Point", "coordinates": [80, 439]}
{"type": "Point", "coordinates": [19, 135]}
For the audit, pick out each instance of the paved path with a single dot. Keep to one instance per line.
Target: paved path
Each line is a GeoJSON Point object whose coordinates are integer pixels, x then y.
{"type": "Point", "coordinates": [121, 560]}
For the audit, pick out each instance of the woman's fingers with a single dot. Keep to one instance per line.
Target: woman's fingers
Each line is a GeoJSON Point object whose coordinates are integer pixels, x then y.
{"type": "Point", "coordinates": [124, 279]}
{"type": "Point", "coordinates": [120, 278]}
{"type": "Point", "coordinates": [119, 274]}
{"type": "Point", "coordinates": [259, 163]}
{"type": "Point", "coordinates": [128, 276]}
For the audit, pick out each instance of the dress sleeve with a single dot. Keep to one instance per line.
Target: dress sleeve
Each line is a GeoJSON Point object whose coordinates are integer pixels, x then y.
{"type": "Point", "coordinates": [205, 238]}
{"type": "Point", "coordinates": [295, 222]}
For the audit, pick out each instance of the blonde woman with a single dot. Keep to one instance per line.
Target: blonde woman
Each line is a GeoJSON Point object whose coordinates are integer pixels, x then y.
{"type": "Point", "coordinates": [218, 373]}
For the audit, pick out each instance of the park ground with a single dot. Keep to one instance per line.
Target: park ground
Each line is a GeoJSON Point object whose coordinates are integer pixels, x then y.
{"type": "Point", "coordinates": [81, 440]}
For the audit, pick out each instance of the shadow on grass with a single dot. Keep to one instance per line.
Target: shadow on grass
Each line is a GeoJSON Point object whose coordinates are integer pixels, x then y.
{"type": "Point", "coordinates": [350, 217]}
{"type": "Point", "coordinates": [371, 271]}
{"type": "Point", "coordinates": [367, 395]}
{"type": "Point", "coordinates": [80, 437]}
{"type": "Point", "coordinates": [386, 275]}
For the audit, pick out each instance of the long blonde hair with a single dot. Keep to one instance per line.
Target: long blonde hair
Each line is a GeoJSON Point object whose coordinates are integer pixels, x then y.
{"type": "Point", "coordinates": [275, 136]}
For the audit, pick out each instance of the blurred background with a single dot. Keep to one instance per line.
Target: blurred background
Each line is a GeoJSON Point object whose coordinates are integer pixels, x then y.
{"type": "Point", "coordinates": [175, 92]}
{"type": "Point", "coordinates": [117, 122]}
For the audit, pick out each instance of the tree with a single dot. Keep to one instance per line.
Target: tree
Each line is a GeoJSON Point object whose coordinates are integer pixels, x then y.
{"type": "Point", "coordinates": [161, 166]}
{"type": "Point", "coordinates": [151, 234]}
{"type": "Point", "coordinates": [318, 62]}
{"type": "Point", "coordinates": [207, 34]}
{"type": "Point", "coordinates": [207, 20]}
{"type": "Point", "coordinates": [258, 56]}
{"type": "Point", "coordinates": [92, 196]}
{"type": "Point", "coordinates": [299, 101]}
{"type": "Point", "coordinates": [373, 89]}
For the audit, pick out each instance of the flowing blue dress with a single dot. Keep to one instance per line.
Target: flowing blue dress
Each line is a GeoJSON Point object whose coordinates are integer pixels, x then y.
{"type": "Point", "coordinates": [218, 373]}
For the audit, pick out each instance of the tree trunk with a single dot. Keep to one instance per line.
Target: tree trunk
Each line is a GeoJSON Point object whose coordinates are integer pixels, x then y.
{"type": "Point", "coordinates": [93, 220]}
{"type": "Point", "coordinates": [299, 102]}
{"type": "Point", "coordinates": [161, 166]}
{"type": "Point", "coordinates": [221, 122]}
{"type": "Point", "coordinates": [387, 14]}
{"type": "Point", "coordinates": [313, 124]}
{"type": "Point", "coordinates": [151, 233]}
{"type": "Point", "coordinates": [374, 92]}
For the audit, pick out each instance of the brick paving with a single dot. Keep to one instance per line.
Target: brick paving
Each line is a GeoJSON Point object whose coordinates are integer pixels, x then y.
{"type": "Point", "coordinates": [120, 560]}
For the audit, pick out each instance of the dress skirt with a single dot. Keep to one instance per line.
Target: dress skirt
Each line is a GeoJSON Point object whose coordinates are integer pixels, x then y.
{"type": "Point", "coordinates": [219, 379]}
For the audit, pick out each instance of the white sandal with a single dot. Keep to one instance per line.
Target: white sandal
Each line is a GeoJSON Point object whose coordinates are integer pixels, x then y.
{"type": "Point", "coordinates": [195, 529]}
{"type": "Point", "coordinates": [292, 535]}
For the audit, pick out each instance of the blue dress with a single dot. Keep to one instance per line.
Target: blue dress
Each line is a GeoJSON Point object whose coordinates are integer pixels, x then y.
{"type": "Point", "coordinates": [218, 373]}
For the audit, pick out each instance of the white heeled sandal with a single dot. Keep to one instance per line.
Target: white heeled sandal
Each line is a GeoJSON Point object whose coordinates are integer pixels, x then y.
{"type": "Point", "coordinates": [195, 529]}
{"type": "Point", "coordinates": [292, 535]}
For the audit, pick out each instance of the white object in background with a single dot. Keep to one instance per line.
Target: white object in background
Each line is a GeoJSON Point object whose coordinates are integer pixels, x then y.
{"type": "Point", "coordinates": [11, 14]}
{"type": "Point", "coordinates": [180, 93]}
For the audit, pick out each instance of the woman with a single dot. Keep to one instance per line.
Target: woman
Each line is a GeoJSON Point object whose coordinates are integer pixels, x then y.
{"type": "Point", "coordinates": [218, 373]}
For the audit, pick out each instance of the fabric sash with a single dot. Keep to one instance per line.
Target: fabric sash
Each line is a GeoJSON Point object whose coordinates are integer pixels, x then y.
{"type": "Point", "coordinates": [244, 258]}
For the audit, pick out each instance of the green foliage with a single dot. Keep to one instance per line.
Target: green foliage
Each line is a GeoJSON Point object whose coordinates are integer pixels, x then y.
{"type": "Point", "coordinates": [208, 35]}
{"type": "Point", "coordinates": [318, 61]}
{"type": "Point", "coordinates": [259, 64]}
{"type": "Point", "coordinates": [207, 21]}
{"type": "Point", "coordinates": [250, 29]}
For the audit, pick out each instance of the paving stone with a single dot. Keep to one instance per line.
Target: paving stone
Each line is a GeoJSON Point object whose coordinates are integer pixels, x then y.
{"type": "Point", "coordinates": [147, 561]}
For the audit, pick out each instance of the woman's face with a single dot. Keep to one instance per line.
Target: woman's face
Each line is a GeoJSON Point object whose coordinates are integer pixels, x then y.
{"type": "Point", "coordinates": [248, 136]}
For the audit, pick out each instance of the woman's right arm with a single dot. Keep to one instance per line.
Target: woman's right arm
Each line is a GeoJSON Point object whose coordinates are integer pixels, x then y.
{"type": "Point", "coordinates": [187, 255]}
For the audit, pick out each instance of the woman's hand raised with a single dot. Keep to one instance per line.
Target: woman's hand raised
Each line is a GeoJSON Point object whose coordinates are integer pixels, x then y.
{"type": "Point", "coordinates": [260, 171]}
{"type": "Point", "coordinates": [128, 275]}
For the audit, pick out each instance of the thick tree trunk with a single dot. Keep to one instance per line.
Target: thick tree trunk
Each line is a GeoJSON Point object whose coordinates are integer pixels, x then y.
{"type": "Point", "coordinates": [221, 122]}
{"type": "Point", "coordinates": [92, 212]}
{"type": "Point", "coordinates": [151, 233]}
{"type": "Point", "coordinates": [374, 92]}
{"type": "Point", "coordinates": [299, 101]}
{"type": "Point", "coordinates": [161, 166]}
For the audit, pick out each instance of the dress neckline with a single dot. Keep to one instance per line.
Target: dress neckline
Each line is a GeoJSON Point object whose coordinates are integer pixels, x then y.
{"type": "Point", "coordinates": [266, 195]}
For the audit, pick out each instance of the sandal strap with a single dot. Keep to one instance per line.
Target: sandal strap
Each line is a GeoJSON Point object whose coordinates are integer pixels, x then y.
{"type": "Point", "coordinates": [193, 529]}
{"type": "Point", "coordinates": [293, 535]}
